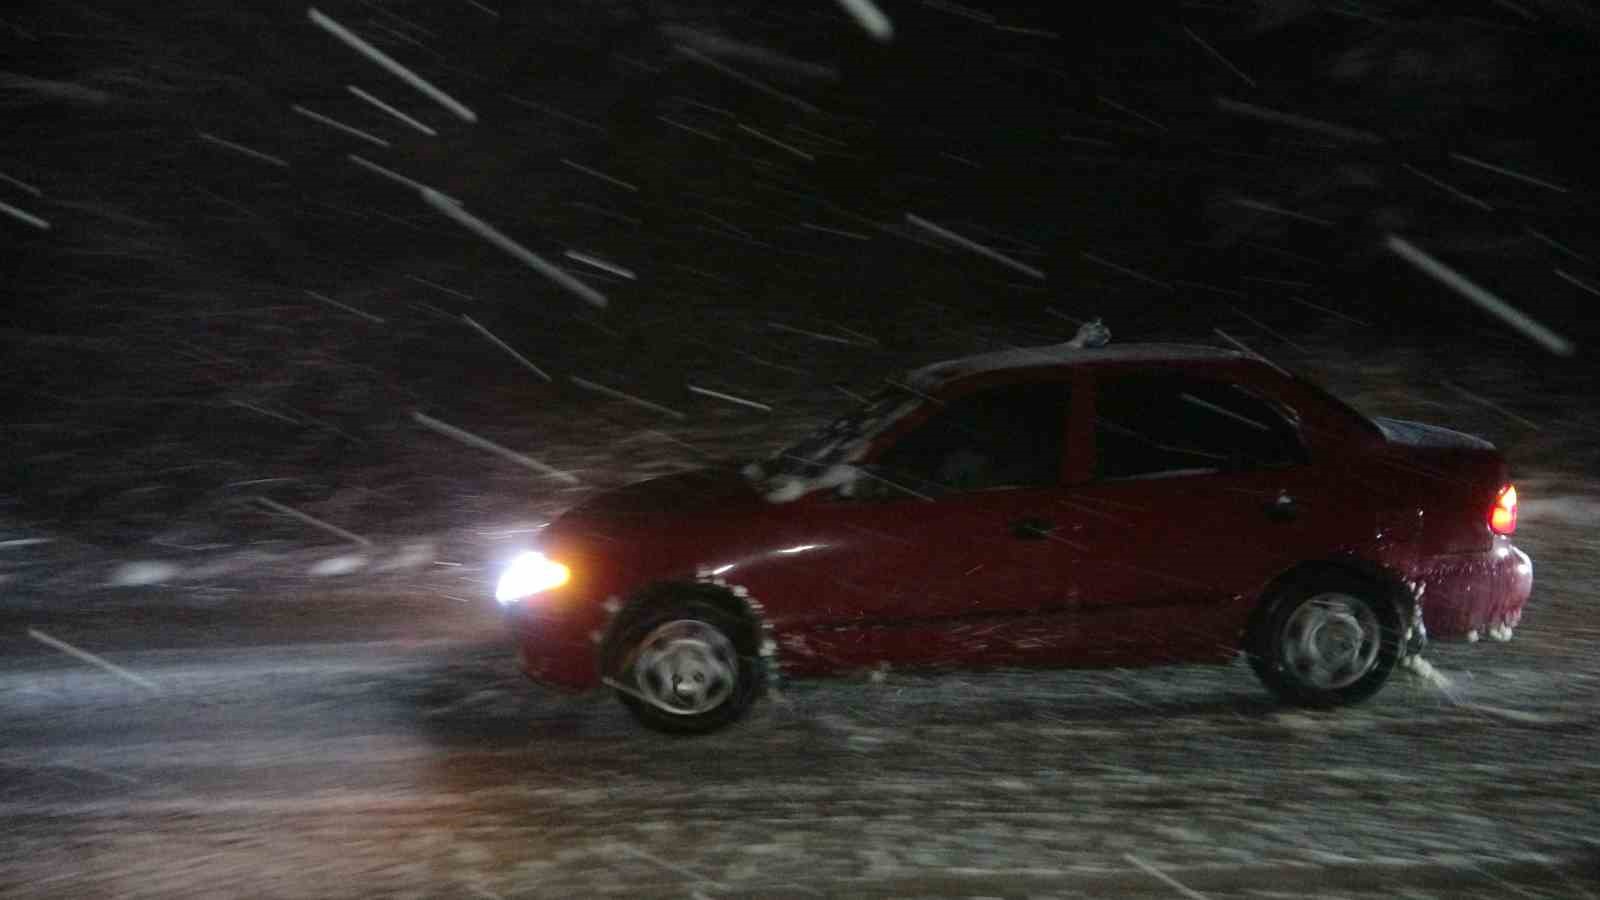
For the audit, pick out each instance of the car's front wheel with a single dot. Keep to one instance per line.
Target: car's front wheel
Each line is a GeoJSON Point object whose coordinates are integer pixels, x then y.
{"type": "Point", "coordinates": [684, 668]}
{"type": "Point", "coordinates": [1323, 641]}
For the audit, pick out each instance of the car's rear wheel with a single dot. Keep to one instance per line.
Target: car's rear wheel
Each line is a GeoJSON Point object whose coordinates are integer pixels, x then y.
{"type": "Point", "coordinates": [686, 667]}
{"type": "Point", "coordinates": [1326, 640]}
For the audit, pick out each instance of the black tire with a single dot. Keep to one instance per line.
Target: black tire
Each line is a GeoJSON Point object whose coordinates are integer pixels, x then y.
{"type": "Point", "coordinates": [1324, 640]}
{"type": "Point", "coordinates": [685, 666]}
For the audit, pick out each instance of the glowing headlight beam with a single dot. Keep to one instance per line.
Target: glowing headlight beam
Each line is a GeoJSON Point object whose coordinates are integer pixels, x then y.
{"type": "Point", "coordinates": [530, 573]}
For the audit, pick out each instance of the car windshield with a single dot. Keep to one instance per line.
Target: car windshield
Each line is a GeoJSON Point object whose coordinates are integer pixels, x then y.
{"type": "Point", "coordinates": [839, 440]}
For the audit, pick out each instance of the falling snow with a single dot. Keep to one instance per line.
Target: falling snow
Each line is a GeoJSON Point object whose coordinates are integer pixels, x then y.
{"type": "Point", "coordinates": [296, 366]}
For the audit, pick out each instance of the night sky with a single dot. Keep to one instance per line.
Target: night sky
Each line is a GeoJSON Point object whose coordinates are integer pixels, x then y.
{"type": "Point", "coordinates": [299, 350]}
{"type": "Point", "coordinates": [240, 278]}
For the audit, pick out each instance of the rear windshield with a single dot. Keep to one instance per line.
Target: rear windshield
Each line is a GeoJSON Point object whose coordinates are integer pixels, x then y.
{"type": "Point", "coordinates": [1366, 423]}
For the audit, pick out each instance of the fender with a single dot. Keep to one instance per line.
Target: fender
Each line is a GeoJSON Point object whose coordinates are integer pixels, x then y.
{"type": "Point", "coordinates": [733, 598]}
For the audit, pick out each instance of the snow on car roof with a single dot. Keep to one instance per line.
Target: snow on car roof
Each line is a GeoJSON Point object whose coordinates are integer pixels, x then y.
{"type": "Point", "coordinates": [1062, 355]}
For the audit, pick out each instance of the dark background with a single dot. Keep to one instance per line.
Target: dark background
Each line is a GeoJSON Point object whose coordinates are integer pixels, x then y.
{"type": "Point", "coordinates": [163, 365]}
{"type": "Point", "coordinates": [288, 714]}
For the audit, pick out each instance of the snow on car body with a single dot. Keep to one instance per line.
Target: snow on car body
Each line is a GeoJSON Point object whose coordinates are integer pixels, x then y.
{"type": "Point", "coordinates": [1057, 506]}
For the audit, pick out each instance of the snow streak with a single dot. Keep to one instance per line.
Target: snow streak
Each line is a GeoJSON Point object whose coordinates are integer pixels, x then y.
{"type": "Point", "coordinates": [1456, 192]}
{"type": "Point", "coordinates": [746, 80]}
{"type": "Point", "coordinates": [340, 126]}
{"type": "Point", "coordinates": [1228, 413]}
{"type": "Point", "coordinates": [1124, 270]}
{"type": "Point", "coordinates": [506, 347]}
{"type": "Point", "coordinates": [956, 9]}
{"type": "Point", "coordinates": [1484, 401]}
{"type": "Point", "coordinates": [483, 229]}
{"type": "Point", "coordinates": [1123, 109]}
{"type": "Point", "coordinates": [1219, 57]}
{"type": "Point", "coordinates": [23, 185]}
{"type": "Point", "coordinates": [472, 440]}
{"type": "Point", "coordinates": [313, 521]}
{"type": "Point", "coordinates": [549, 111]}
{"type": "Point", "coordinates": [1461, 157]}
{"type": "Point", "coordinates": [870, 18]}
{"type": "Point", "coordinates": [831, 338]}
{"type": "Point", "coordinates": [1545, 238]}
{"type": "Point", "coordinates": [1246, 350]}
{"type": "Point", "coordinates": [395, 68]}
{"type": "Point", "coordinates": [690, 128]}
{"type": "Point", "coordinates": [1304, 122]}
{"type": "Point", "coordinates": [1258, 206]}
{"type": "Point", "coordinates": [396, 177]}
{"type": "Point", "coordinates": [1261, 325]}
{"type": "Point", "coordinates": [601, 264]}
{"type": "Point", "coordinates": [240, 148]}
{"type": "Point", "coordinates": [391, 110]}
{"type": "Point", "coordinates": [975, 247]}
{"type": "Point", "coordinates": [600, 175]}
{"type": "Point", "coordinates": [1163, 877]}
{"type": "Point", "coordinates": [349, 309]}
{"type": "Point", "coordinates": [1573, 280]}
{"type": "Point", "coordinates": [776, 143]}
{"type": "Point", "coordinates": [22, 216]}
{"type": "Point", "coordinates": [1332, 312]}
{"type": "Point", "coordinates": [628, 398]}
{"type": "Point", "coordinates": [853, 235]}
{"type": "Point", "coordinates": [730, 398]}
{"type": "Point", "coordinates": [1490, 303]}
{"type": "Point", "coordinates": [92, 660]}
{"type": "Point", "coordinates": [437, 286]}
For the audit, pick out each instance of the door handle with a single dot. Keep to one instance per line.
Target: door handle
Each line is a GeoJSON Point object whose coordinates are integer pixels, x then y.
{"type": "Point", "coordinates": [1032, 528]}
{"type": "Point", "coordinates": [1282, 509]}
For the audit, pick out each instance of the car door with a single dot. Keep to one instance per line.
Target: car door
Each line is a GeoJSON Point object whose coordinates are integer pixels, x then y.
{"type": "Point", "coordinates": [1201, 491]}
{"type": "Point", "coordinates": [945, 550]}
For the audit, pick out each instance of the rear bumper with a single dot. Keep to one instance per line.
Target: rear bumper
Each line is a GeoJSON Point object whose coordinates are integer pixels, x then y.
{"type": "Point", "coordinates": [1473, 594]}
{"type": "Point", "coordinates": [560, 651]}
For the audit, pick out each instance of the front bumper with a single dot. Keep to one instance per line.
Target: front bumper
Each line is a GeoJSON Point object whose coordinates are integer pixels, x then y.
{"type": "Point", "coordinates": [558, 648]}
{"type": "Point", "coordinates": [1466, 595]}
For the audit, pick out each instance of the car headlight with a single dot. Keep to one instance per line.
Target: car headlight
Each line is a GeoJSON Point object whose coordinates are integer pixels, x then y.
{"type": "Point", "coordinates": [529, 574]}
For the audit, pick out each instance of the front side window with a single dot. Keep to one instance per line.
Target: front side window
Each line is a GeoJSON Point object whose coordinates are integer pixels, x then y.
{"type": "Point", "coordinates": [1167, 425]}
{"type": "Point", "coordinates": [1003, 437]}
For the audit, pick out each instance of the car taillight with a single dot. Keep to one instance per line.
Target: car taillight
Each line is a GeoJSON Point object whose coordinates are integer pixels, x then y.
{"type": "Point", "coordinates": [1503, 516]}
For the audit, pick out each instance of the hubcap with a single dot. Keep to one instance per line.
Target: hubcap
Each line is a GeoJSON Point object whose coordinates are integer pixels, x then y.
{"type": "Point", "coordinates": [1331, 641]}
{"type": "Point", "coordinates": [686, 667]}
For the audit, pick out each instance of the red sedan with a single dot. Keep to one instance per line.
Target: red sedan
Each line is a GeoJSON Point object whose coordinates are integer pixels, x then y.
{"type": "Point", "coordinates": [1058, 506]}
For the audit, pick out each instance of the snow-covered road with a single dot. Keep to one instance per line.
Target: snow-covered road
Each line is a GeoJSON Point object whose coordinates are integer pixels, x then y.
{"type": "Point", "coordinates": [425, 767]}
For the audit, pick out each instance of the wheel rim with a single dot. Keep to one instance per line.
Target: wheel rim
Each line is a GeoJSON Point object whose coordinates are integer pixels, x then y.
{"type": "Point", "coordinates": [686, 667]}
{"type": "Point", "coordinates": [1331, 641]}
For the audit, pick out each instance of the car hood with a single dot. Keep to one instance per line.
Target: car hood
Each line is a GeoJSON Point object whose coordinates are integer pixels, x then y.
{"type": "Point", "coordinates": [670, 497]}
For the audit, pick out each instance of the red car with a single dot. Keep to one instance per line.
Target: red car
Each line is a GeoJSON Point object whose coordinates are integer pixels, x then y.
{"type": "Point", "coordinates": [1137, 504]}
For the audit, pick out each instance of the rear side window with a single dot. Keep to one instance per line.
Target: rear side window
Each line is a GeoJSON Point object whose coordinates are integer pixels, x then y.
{"type": "Point", "coordinates": [1166, 425]}
{"type": "Point", "coordinates": [1002, 437]}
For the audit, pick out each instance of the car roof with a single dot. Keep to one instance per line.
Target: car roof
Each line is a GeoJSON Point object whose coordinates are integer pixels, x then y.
{"type": "Point", "coordinates": [941, 373]}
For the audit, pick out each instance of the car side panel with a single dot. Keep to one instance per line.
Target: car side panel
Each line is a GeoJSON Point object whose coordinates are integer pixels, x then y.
{"type": "Point", "coordinates": [554, 639]}
{"type": "Point", "coordinates": [1175, 564]}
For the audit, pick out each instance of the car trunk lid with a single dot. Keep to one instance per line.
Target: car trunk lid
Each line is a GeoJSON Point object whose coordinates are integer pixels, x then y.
{"type": "Point", "coordinates": [1461, 476]}
{"type": "Point", "coordinates": [1420, 434]}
